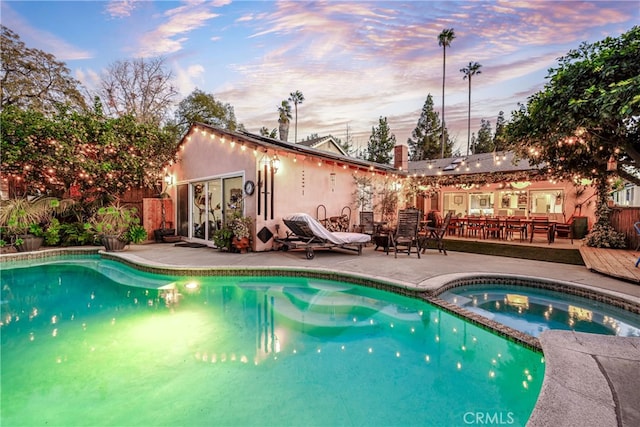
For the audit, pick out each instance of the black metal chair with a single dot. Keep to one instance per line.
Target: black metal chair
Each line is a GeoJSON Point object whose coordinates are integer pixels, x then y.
{"type": "Point", "coordinates": [436, 235]}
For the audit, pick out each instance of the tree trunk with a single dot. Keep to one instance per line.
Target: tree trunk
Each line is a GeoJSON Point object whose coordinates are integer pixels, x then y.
{"type": "Point", "coordinates": [284, 131]}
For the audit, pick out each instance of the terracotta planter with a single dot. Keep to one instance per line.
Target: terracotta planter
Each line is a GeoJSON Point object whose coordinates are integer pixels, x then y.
{"type": "Point", "coordinates": [30, 243]}
{"type": "Point", "coordinates": [113, 244]}
{"type": "Point", "coordinates": [242, 245]}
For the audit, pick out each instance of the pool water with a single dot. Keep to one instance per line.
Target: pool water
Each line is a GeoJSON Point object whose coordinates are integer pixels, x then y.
{"type": "Point", "coordinates": [81, 348]}
{"type": "Point", "coordinates": [533, 310]}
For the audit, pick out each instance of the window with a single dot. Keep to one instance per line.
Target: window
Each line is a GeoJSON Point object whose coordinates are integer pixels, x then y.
{"type": "Point", "coordinates": [512, 203]}
{"type": "Point", "coordinates": [547, 202]}
{"type": "Point", "coordinates": [455, 203]}
{"type": "Point", "coordinates": [481, 203]}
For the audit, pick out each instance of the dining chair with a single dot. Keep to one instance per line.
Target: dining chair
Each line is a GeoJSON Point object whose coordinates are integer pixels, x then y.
{"type": "Point", "coordinates": [493, 227]}
{"type": "Point", "coordinates": [541, 226]}
{"type": "Point", "coordinates": [564, 230]}
{"type": "Point", "coordinates": [513, 226]}
{"type": "Point", "coordinates": [475, 226]}
{"type": "Point", "coordinates": [455, 226]}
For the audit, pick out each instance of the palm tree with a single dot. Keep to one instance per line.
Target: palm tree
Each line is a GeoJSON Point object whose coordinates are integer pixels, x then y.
{"type": "Point", "coordinates": [444, 39]}
{"type": "Point", "coordinates": [296, 97]}
{"type": "Point", "coordinates": [470, 70]}
{"type": "Point", "coordinates": [284, 117]}
{"type": "Point", "coordinates": [273, 133]}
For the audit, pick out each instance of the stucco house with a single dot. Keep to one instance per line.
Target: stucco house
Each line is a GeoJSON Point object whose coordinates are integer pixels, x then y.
{"type": "Point", "coordinates": [220, 173]}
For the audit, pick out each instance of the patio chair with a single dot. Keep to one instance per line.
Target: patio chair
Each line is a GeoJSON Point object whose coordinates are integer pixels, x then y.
{"type": "Point", "coordinates": [456, 226]}
{"type": "Point", "coordinates": [309, 234]}
{"type": "Point", "coordinates": [406, 234]}
{"type": "Point", "coordinates": [436, 234]}
{"type": "Point", "coordinates": [542, 226]}
{"type": "Point", "coordinates": [493, 227]}
{"type": "Point", "coordinates": [475, 226]}
{"type": "Point", "coordinates": [366, 225]}
{"type": "Point", "coordinates": [513, 226]}
{"type": "Point", "coordinates": [565, 230]}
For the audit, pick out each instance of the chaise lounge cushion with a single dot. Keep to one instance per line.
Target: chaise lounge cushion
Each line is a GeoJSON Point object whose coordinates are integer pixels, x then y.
{"type": "Point", "coordinates": [335, 237]}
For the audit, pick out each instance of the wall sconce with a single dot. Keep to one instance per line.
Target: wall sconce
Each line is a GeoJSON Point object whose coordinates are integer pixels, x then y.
{"type": "Point", "coordinates": [168, 179]}
{"type": "Point", "coordinates": [275, 163]}
{"type": "Point", "coordinates": [612, 165]}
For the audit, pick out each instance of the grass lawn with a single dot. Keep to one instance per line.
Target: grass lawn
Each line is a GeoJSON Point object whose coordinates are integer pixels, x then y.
{"type": "Point", "coordinates": [562, 256]}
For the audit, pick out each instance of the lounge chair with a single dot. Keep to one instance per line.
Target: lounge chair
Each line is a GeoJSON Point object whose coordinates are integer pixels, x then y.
{"type": "Point", "coordinates": [406, 234]}
{"type": "Point", "coordinates": [307, 233]}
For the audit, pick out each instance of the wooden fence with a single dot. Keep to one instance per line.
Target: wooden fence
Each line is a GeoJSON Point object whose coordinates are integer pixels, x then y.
{"type": "Point", "coordinates": [622, 220]}
{"type": "Point", "coordinates": [133, 197]}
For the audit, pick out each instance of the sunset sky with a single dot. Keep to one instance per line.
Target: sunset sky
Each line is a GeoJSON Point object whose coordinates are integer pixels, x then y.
{"type": "Point", "coordinates": [353, 61]}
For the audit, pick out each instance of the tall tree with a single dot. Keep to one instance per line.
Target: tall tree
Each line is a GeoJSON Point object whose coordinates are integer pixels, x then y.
{"type": "Point", "coordinates": [484, 140]}
{"type": "Point", "coordinates": [347, 144]}
{"type": "Point", "coordinates": [31, 78]}
{"type": "Point", "coordinates": [444, 39]}
{"type": "Point", "coordinates": [469, 71]}
{"type": "Point", "coordinates": [140, 88]}
{"type": "Point", "coordinates": [381, 143]}
{"type": "Point", "coordinates": [499, 138]}
{"type": "Point", "coordinates": [202, 107]}
{"type": "Point", "coordinates": [297, 98]}
{"type": "Point", "coordinates": [284, 118]}
{"type": "Point", "coordinates": [587, 113]}
{"type": "Point", "coordinates": [586, 120]}
{"type": "Point", "coordinates": [425, 139]}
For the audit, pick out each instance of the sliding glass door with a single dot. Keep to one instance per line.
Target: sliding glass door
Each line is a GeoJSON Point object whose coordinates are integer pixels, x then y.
{"type": "Point", "coordinates": [210, 203]}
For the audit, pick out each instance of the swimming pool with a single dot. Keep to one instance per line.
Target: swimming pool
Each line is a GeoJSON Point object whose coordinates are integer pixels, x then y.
{"type": "Point", "coordinates": [94, 342]}
{"type": "Point", "coordinates": [533, 310]}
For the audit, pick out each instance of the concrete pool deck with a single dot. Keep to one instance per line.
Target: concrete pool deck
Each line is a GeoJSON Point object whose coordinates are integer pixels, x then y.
{"type": "Point", "coordinates": [590, 380]}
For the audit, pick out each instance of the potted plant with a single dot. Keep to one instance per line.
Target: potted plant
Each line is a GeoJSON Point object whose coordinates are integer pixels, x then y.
{"type": "Point", "coordinates": [223, 237]}
{"type": "Point", "coordinates": [241, 228]}
{"type": "Point", "coordinates": [116, 226]}
{"type": "Point", "coordinates": [235, 235]}
{"type": "Point", "coordinates": [22, 220]}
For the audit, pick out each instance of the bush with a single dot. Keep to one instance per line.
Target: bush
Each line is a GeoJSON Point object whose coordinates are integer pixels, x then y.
{"type": "Point", "coordinates": [76, 234]}
{"type": "Point", "coordinates": [52, 233]}
{"type": "Point", "coordinates": [136, 234]}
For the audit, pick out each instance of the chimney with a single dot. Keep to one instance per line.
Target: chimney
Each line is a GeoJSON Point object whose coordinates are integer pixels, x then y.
{"type": "Point", "coordinates": [401, 157]}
